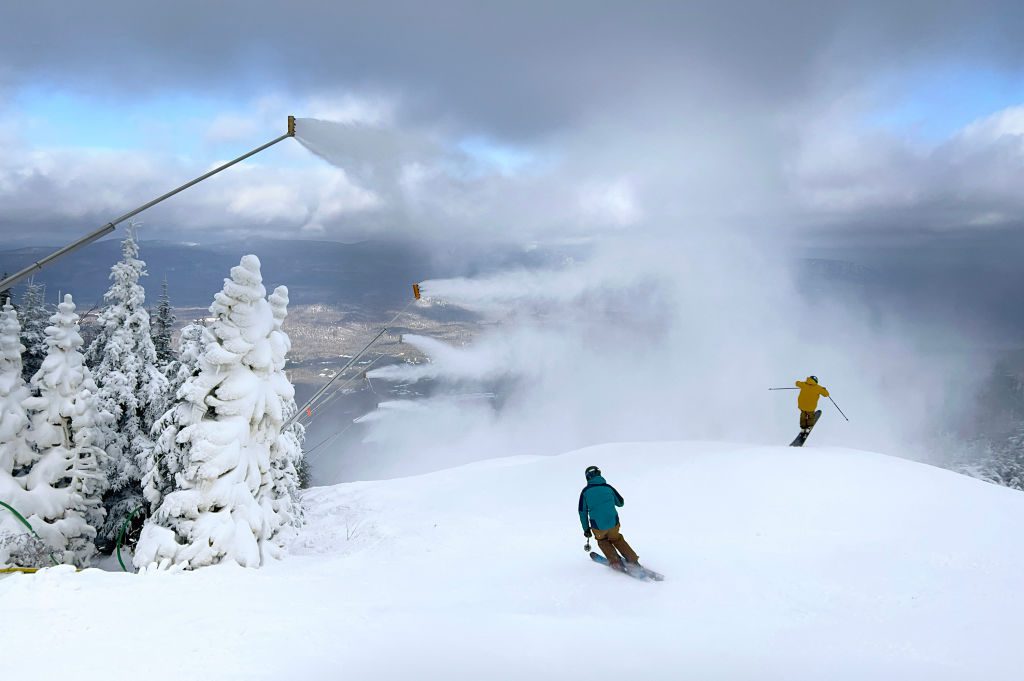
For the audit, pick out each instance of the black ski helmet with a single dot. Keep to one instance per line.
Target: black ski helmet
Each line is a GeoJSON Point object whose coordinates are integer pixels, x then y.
{"type": "Point", "coordinates": [592, 472]}
{"type": "Point", "coordinates": [814, 378]}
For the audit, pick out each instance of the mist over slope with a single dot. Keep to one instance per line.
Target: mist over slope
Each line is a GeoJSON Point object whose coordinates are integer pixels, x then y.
{"type": "Point", "coordinates": [672, 325]}
{"type": "Point", "coordinates": [780, 564]}
{"type": "Point", "coordinates": [661, 339]}
{"type": "Point", "coordinates": [638, 336]}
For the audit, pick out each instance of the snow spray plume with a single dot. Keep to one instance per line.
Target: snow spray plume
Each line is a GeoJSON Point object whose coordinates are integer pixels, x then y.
{"type": "Point", "coordinates": [669, 328]}
{"type": "Point", "coordinates": [648, 340]}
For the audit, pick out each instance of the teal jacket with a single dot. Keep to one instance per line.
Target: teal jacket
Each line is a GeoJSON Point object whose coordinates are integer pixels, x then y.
{"type": "Point", "coordinates": [598, 501]}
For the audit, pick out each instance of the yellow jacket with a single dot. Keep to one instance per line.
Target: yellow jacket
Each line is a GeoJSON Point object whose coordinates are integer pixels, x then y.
{"type": "Point", "coordinates": [810, 391]}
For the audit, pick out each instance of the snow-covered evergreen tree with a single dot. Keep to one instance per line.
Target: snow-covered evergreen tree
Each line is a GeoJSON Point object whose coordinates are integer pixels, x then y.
{"type": "Point", "coordinates": [997, 459]}
{"type": "Point", "coordinates": [186, 363]}
{"type": "Point", "coordinates": [34, 315]}
{"type": "Point", "coordinates": [131, 387]}
{"type": "Point", "coordinates": [286, 449]}
{"type": "Point", "coordinates": [15, 454]}
{"type": "Point", "coordinates": [64, 481]}
{"type": "Point", "coordinates": [163, 328]}
{"type": "Point", "coordinates": [167, 454]}
{"type": "Point", "coordinates": [232, 498]}
{"type": "Point", "coordinates": [5, 294]}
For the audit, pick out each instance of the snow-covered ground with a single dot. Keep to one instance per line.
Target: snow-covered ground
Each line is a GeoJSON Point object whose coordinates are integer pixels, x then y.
{"type": "Point", "coordinates": [780, 564]}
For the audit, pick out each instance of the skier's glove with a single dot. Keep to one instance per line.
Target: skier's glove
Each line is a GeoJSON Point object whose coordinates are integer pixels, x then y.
{"type": "Point", "coordinates": [587, 534]}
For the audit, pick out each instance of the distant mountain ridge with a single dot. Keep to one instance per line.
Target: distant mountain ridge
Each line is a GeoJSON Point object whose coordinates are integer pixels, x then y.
{"type": "Point", "coordinates": [375, 276]}
{"type": "Point", "coordinates": [369, 274]}
{"type": "Point", "coordinates": [363, 273]}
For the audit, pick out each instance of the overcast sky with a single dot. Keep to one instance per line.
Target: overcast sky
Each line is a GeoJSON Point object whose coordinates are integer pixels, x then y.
{"type": "Point", "coordinates": [843, 124]}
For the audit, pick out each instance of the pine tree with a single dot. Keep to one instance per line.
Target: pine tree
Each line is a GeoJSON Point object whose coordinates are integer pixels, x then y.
{"type": "Point", "coordinates": [131, 387]}
{"type": "Point", "coordinates": [232, 498]}
{"type": "Point", "coordinates": [186, 364]}
{"type": "Point", "coordinates": [16, 541]}
{"type": "Point", "coordinates": [163, 328]}
{"type": "Point", "coordinates": [64, 481]}
{"type": "Point", "coordinates": [5, 294]}
{"type": "Point", "coordinates": [165, 458]}
{"type": "Point", "coordinates": [286, 447]}
{"type": "Point", "coordinates": [999, 460]}
{"type": "Point", "coordinates": [167, 361]}
{"type": "Point", "coordinates": [34, 314]}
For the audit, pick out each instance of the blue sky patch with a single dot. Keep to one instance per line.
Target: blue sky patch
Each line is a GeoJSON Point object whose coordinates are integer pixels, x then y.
{"type": "Point", "coordinates": [933, 105]}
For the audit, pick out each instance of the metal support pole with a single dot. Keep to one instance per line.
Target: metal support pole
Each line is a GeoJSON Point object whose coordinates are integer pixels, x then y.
{"type": "Point", "coordinates": [321, 391]}
{"type": "Point", "coordinates": [17, 277]}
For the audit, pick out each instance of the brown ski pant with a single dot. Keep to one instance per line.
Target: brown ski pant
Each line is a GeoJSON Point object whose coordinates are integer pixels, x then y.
{"type": "Point", "coordinates": [808, 419]}
{"type": "Point", "coordinates": [611, 540]}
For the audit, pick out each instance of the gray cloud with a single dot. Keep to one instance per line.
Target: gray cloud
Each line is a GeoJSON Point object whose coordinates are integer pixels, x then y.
{"type": "Point", "coordinates": [874, 180]}
{"type": "Point", "coordinates": [655, 116]}
{"type": "Point", "coordinates": [514, 68]}
{"type": "Point", "coordinates": [51, 196]}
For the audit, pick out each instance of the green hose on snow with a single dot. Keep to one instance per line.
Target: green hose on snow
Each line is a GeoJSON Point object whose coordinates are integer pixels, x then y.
{"type": "Point", "coordinates": [120, 535]}
{"type": "Point", "coordinates": [26, 524]}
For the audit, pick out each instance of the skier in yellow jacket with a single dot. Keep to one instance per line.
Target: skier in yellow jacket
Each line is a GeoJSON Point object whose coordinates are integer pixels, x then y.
{"type": "Point", "coordinates": [807, 400]}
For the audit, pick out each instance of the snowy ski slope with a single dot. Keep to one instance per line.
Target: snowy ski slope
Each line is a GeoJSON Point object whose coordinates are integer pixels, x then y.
{"type": "Point", "coordinates": [780, 564]}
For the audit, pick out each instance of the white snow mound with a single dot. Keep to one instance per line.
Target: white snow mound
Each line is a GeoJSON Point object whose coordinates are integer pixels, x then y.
{"type": "Point", "coordinates": [780, 563]}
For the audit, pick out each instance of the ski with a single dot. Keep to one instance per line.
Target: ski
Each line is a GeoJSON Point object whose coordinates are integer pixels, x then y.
{"type": "Point", "coordinates": [631, 569]}
{"type": "Point", "coordinates": [801, 438]}
{"type": "Point", "coordinates": [651, 574]}
{"type": "Point", "coordinates": [601, 560]}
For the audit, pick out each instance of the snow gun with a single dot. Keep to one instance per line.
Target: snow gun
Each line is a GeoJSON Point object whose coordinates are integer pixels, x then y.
{"type": "Point", "coordinates": [110, 226]}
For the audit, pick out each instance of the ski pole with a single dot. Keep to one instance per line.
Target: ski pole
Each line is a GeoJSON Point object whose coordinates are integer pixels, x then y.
{"type": "Point", "coordinates": [837, 407]}
{"type": "Point", "coordinates": [783, 388]}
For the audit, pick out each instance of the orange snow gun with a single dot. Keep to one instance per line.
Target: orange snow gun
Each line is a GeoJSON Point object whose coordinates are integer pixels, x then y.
{"type": "Point", "coordinates": [416, 291]}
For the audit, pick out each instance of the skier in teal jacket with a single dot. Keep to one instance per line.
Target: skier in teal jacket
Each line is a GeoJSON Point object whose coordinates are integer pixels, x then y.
{"type": "Point", "coordinates": [598, 515]}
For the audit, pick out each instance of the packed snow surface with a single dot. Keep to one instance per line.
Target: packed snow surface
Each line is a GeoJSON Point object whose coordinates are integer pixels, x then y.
{"type": "Point", "coordinates": [780, 563]}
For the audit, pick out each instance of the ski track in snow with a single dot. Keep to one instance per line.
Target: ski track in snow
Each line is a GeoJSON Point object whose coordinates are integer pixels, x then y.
{"type": "Point", "coordinates": [780, 564]}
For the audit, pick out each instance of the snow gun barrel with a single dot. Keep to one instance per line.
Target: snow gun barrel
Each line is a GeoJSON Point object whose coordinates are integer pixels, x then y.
{"type": "Point", "coordinates": [106, 229]}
